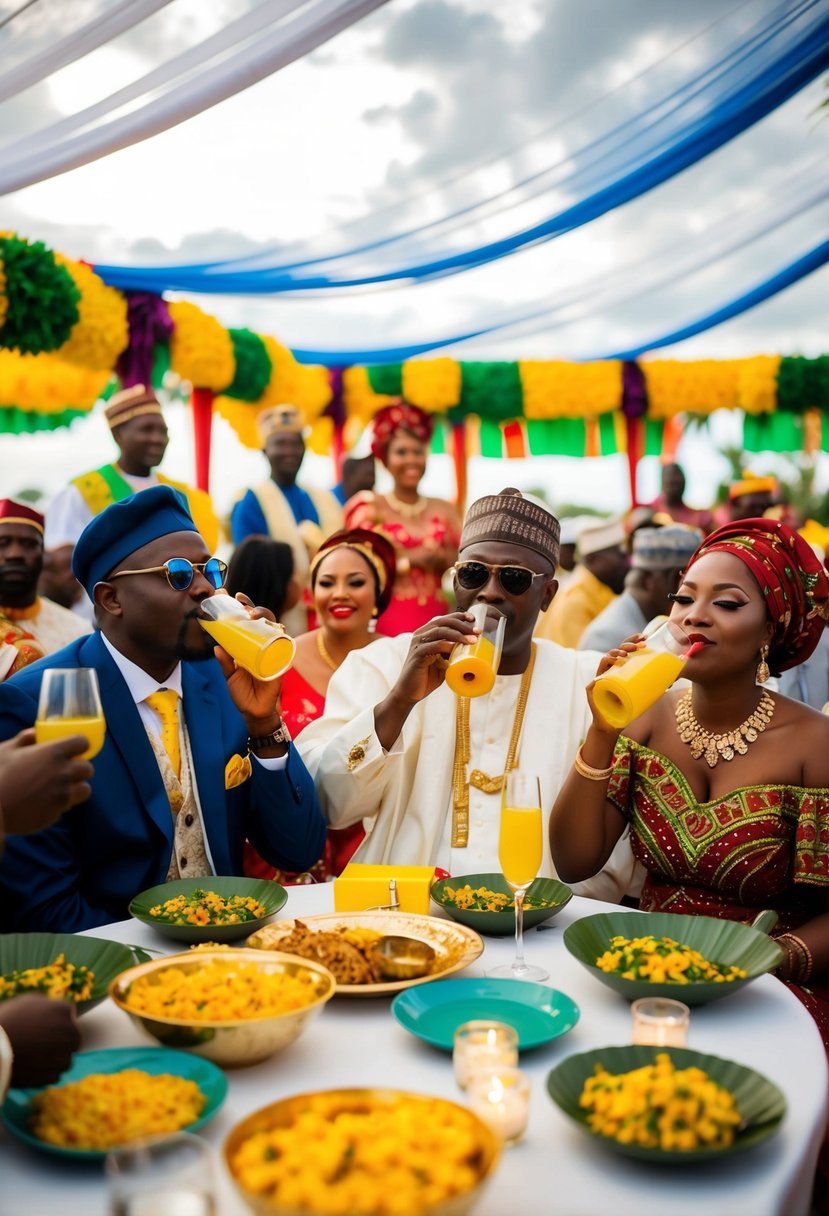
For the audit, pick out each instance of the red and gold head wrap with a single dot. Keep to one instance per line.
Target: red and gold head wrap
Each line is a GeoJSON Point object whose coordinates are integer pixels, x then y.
{"type": "Point", "coordinates": [399, 416]}
{"type": "Point", "coordinates": [373, 548]}
{"type": "Point", "coordinates": [791, 579]}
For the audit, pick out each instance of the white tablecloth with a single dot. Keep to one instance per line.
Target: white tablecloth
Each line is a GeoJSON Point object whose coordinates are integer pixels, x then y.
{"type": "Point", "coordinates": [556, 1168]}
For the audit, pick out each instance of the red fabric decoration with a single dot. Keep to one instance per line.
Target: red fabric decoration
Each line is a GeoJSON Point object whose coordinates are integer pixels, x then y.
{"type": "Point", "coordinates": [399, 416]}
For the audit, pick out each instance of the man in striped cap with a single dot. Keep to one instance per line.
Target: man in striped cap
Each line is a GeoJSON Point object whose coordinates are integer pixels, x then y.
{"type": "Point", "coordinates": [424, 768]}
{"type": "Point", "coordinates": [30, 627]}
{"type": "Point", "coordinates": [140, 433]}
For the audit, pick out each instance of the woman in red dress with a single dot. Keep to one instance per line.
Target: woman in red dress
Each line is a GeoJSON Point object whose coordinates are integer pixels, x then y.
{"type": "Point", "coordinates": [351, 576]}
{"type": "Point", "coordinates": [424, 531]}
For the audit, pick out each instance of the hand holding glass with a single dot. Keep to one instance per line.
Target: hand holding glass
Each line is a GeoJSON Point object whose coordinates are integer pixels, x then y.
{"type": "Point", "coordinates": [70, 704]}
{"type": "Point", "coordinates": [625, 691]}
{"type": "Point", "coordinates": [520, 851]}
{"type": "Point", "coordinates": [472, 668]}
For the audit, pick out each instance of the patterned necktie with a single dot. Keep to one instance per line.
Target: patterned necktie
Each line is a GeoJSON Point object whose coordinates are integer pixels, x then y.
{"type": "Point", "coordinates": [165, 704]}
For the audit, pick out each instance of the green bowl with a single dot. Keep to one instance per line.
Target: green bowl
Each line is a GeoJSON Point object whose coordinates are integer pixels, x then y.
{"type": "Point", "coordinates": [760, 1103]}
{"type": "Point", "coordinates": [720, 941]}
{"type": "Point", "coordinates": [17, 1108]}
{"type": "Point", "coordinates": [106, 960]}
{"type": "Point", "coordinates": [271, 894]}
{"type": "Point", "coordinates": [549, 891]}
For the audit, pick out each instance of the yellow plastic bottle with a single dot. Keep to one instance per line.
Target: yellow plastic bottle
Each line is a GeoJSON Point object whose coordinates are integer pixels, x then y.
{"type": "Point", "coordinates": [47, 730]}
{"type": "Point", "coordinates": [264, 655]}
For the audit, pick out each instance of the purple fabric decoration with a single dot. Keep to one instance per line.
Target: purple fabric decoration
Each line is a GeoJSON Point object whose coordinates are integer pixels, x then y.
{"type": "Point", "coordinates": [634, 390]}
{"type": "Point", "coordinates": [335, 408]}
{"type": "Point", "coordinates": [149, 324]}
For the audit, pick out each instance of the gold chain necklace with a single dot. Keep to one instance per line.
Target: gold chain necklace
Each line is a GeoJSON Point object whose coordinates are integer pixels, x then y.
{"type": "Point", "coordinates": [703, 743]}
{"type": "Point", "coordinates": [409, 510]}
{"type": "Point", "coordinates": [323, 651]}
{"type": "Point", "coordinates": [482, 781]}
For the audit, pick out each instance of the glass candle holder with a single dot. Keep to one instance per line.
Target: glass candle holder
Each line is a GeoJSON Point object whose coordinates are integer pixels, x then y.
{"type": "Point", "coordinates": [660, 1022]}
{"type": "Point", "coordinates": [482, 1046]}
{"type": "Point", "coordinates": [172, 1176]}
{"type": "Point", "coordinates": [502, 1099]}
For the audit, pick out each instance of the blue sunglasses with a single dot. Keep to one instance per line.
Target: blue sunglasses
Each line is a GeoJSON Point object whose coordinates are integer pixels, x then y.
{"type": "Point", "coordinates": [180, 571]}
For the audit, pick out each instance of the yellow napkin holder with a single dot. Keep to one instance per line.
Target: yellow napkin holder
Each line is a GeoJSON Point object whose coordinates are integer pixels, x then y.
{"type": "Point", "coordinates": [360, 887]}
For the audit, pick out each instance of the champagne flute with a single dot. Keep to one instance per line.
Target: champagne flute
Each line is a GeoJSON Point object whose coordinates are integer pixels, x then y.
{"type": "Point", "coordinates": [70, 704]}
{"type": "Point", "coordinates": [520, 850]}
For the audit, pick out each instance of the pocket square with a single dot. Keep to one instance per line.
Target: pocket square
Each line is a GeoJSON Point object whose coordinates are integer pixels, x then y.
{"type": "Point", "coordinates": [237, 770]}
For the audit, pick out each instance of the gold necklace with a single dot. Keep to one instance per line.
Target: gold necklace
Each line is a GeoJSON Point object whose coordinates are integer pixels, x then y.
{"type": "Point", "coordinates": [482, 781]}
{"type": "Point", "coordinates": [704, 743]}
{"type": "Point", "coordinates": [409, 510]}
{"type": "Point", "coordinates": [323, 651]}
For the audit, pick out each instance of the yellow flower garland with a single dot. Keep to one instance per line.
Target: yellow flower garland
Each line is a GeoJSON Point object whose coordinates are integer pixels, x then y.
{"type": "Point", "coordinates": [432, 384]}
{"type": "Point", "coordinates": [201, 349]}
{"type": "Point", "coordinates": [101, 332]}
{"type": "Point", "coordinates": [46, 385]}
{"type": "Point", "coordinates": [757, 384]}
{"type": "Point", "coordinates": [359, 399]}
{"type": "Point", "coordinates": [556, 389]}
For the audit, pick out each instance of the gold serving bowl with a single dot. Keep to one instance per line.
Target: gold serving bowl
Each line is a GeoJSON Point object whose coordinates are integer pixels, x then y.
{"type": "Point", "coordinates": [325, 1107]}
{"type": "Point", "coordinates": [402, 958]}
{"type": "Point", "coordinates": [237, 1042]}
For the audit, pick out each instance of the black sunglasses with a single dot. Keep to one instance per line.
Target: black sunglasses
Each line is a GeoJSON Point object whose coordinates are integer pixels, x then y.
{"type": "Point", "coordinates": [180, 571]}
{"type": "Point", "coordinates": [515, 580]}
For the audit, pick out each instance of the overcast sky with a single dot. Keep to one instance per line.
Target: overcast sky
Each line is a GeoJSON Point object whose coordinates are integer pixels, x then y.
{"type": "Point", "coordinates": [389, 121]}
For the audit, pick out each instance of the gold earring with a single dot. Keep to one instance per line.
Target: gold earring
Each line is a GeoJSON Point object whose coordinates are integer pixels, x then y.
{"type": "Point", "coordinates": [763, 672]}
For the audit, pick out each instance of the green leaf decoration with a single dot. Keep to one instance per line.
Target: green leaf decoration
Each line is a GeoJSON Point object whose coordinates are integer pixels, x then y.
{"type": "Point", "coordinates": [42, 298]}
{"type": "Point", "coordinates": [253, 366]}
{"type": "Point", "coordinates": [387, 378]}
{"type": "Point", "coordinates": [105, 959]}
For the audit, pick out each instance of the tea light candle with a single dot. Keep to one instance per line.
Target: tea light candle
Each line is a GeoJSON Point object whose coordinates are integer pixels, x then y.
{"type": "Point", "coordinates": [502, 1100]}
{"type": "Point", "coordinates": [483, 1047]}
{"type": "Point", "coordinates": [660, 1022]}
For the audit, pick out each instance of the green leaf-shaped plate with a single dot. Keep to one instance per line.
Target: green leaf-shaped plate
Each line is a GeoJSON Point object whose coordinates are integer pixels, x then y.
{"type": "Point", "coordinates": [760, 1103]}
{"type": "Point", "coordinates": [17, 1109]}
{"type": "Point", "coordinates": [547, 891]}
{"type": "Point", "coordinates": [720, 941]}
{"type": "Point", "coordinates": [271, 894]}
{"type": "Point", "coordinates": [105, 959]}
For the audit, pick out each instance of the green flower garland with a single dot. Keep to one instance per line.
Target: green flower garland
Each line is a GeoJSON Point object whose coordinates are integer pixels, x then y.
{"type": "Point", "coordinates": [253, 366]}
{"type": "Point", "coordinates": [42, 297]}
{"type": "Point", "coordinates": [803, 384]}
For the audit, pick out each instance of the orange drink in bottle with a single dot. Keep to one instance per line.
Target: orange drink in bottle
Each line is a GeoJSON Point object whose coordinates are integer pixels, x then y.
{"type": "Point", "coordinates": [472, 668]}
{"type": "Point", "coordinates": [628, 689]}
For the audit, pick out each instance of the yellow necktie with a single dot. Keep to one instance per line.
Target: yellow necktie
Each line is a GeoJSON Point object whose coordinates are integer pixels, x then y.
{"type": "Point", "coordinates": [165, 704]}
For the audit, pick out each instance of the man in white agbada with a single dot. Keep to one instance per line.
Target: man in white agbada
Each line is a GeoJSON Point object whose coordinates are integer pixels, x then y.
{"type": "Point", "coordinates": [390, 748]}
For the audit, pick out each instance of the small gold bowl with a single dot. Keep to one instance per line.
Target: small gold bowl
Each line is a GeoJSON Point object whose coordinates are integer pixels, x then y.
{"type": "Point", "coordinates": [402, 958]}
{"type": "Point", "coordinates": [244, 1156]}
{"type": "Point", "coordinates": [236, 1042]}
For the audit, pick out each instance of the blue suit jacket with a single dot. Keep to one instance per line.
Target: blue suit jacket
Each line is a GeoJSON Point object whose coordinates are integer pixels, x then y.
{"type": "Point", "coordinates": [84, 870]}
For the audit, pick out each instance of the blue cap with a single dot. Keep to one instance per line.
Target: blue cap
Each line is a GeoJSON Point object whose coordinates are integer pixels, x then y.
{"type": "Point", "coordinates": [126, 526]}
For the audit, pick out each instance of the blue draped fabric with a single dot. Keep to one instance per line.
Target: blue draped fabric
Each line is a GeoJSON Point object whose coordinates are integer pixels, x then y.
{"type": "Point", "coordinates": [778, 58]}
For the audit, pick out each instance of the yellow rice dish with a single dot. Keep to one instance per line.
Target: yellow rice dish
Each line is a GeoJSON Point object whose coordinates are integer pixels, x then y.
{"type": "Point", "coordinates": [660, 1106]}
{"type": "Point", "coordinates": [202, 907]}
{"type": "Point", "coordinates": [378, 1159]}
{"type": "Point", "coordinates": [661, 960]}
{"type": "Point", "coordinates": [220, 992]}
{"type": "Point", "coordinates": [59, 979]}
{"type": "Point", "coordinates": [108, 1109]}
{"type": "Point", "coordinates": [481, 899]}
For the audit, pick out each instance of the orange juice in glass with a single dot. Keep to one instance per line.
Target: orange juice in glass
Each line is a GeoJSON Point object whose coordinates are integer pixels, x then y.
{"type": "Point", "coordinates": [624, 692]}
{"type": "Point", "coordinates": [260, 646]}
{"type": "Point", "coordinates": [472, 668]}
{"type": "Point", "coordinates": [520, 853]}
{"type": "Point", "coordinates": [70, 704]}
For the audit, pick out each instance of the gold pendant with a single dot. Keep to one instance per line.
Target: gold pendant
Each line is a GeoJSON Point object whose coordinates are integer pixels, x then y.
{"type": "Point", "coordinates": [485, 783]}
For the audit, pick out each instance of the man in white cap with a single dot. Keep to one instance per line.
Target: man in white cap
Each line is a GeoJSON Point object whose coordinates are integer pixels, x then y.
{"type": "Point", "coordinates": [571, 525]}
{"type": "Point", "coordinates": [595, 583]}
{"type": "Point", "coordinates": [137, 424]}
{"type": "Point", "coordinates": [659, 555]}
{"type": "Point", "coordinates": [283, 509]}
{"type": "Point", "coordinates": [422, 768]}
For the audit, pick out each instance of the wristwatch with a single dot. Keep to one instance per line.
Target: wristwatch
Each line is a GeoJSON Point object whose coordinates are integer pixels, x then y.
{"type": "Point", "coordinates": [280, 735]}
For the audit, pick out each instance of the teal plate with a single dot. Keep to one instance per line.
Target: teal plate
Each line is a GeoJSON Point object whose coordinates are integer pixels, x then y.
{"type": "Point", "coordinates": [17, 1109]}
{"type": "Point", "coordinates": [760, 1103]}
{"type": "Point", "coordinates": [270, 894]}
{"type": "Point", "coordinates": [433, 1012]}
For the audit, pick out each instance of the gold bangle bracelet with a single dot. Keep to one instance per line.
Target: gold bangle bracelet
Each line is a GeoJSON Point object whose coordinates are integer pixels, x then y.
{"type": "Point", "coordinates": [586, 770]}
{"type": "Point", "coordinates": [802, 962]}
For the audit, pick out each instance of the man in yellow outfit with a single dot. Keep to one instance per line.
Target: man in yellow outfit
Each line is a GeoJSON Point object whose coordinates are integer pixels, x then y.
{"type": "Point", "coordinates": [140, 433]}
{"type": "Point", "coordinates": [596, 582]}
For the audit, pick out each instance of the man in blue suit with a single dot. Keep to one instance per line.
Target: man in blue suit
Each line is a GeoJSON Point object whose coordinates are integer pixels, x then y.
{"type": "Point", "coordinates": [195, 759]}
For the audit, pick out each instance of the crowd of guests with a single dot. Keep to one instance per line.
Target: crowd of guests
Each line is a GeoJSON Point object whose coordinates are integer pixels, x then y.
{"type": "Point", "coordinates": [715, 801]}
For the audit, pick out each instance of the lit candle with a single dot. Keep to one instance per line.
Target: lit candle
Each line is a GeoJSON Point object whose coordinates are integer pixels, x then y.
{"type": "Point", "coordinates": [502, 1100]}
{"type": "Point", "coordinates": [168, 1203]}
{"type": "Point", "coordinates": [483, 1047]}
{"type": "Point", "coordinates": [659, 1022]}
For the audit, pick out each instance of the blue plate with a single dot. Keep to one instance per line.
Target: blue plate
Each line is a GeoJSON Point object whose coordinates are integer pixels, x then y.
{"type": "Point", "coordinates": [433, 1012]}
{"type": "Point", "coordinates": [17, 1109]}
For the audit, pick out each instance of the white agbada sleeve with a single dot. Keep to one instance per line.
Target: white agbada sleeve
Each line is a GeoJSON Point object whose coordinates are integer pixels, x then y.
{"type": "Point", "coordinates": [66, 517]}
